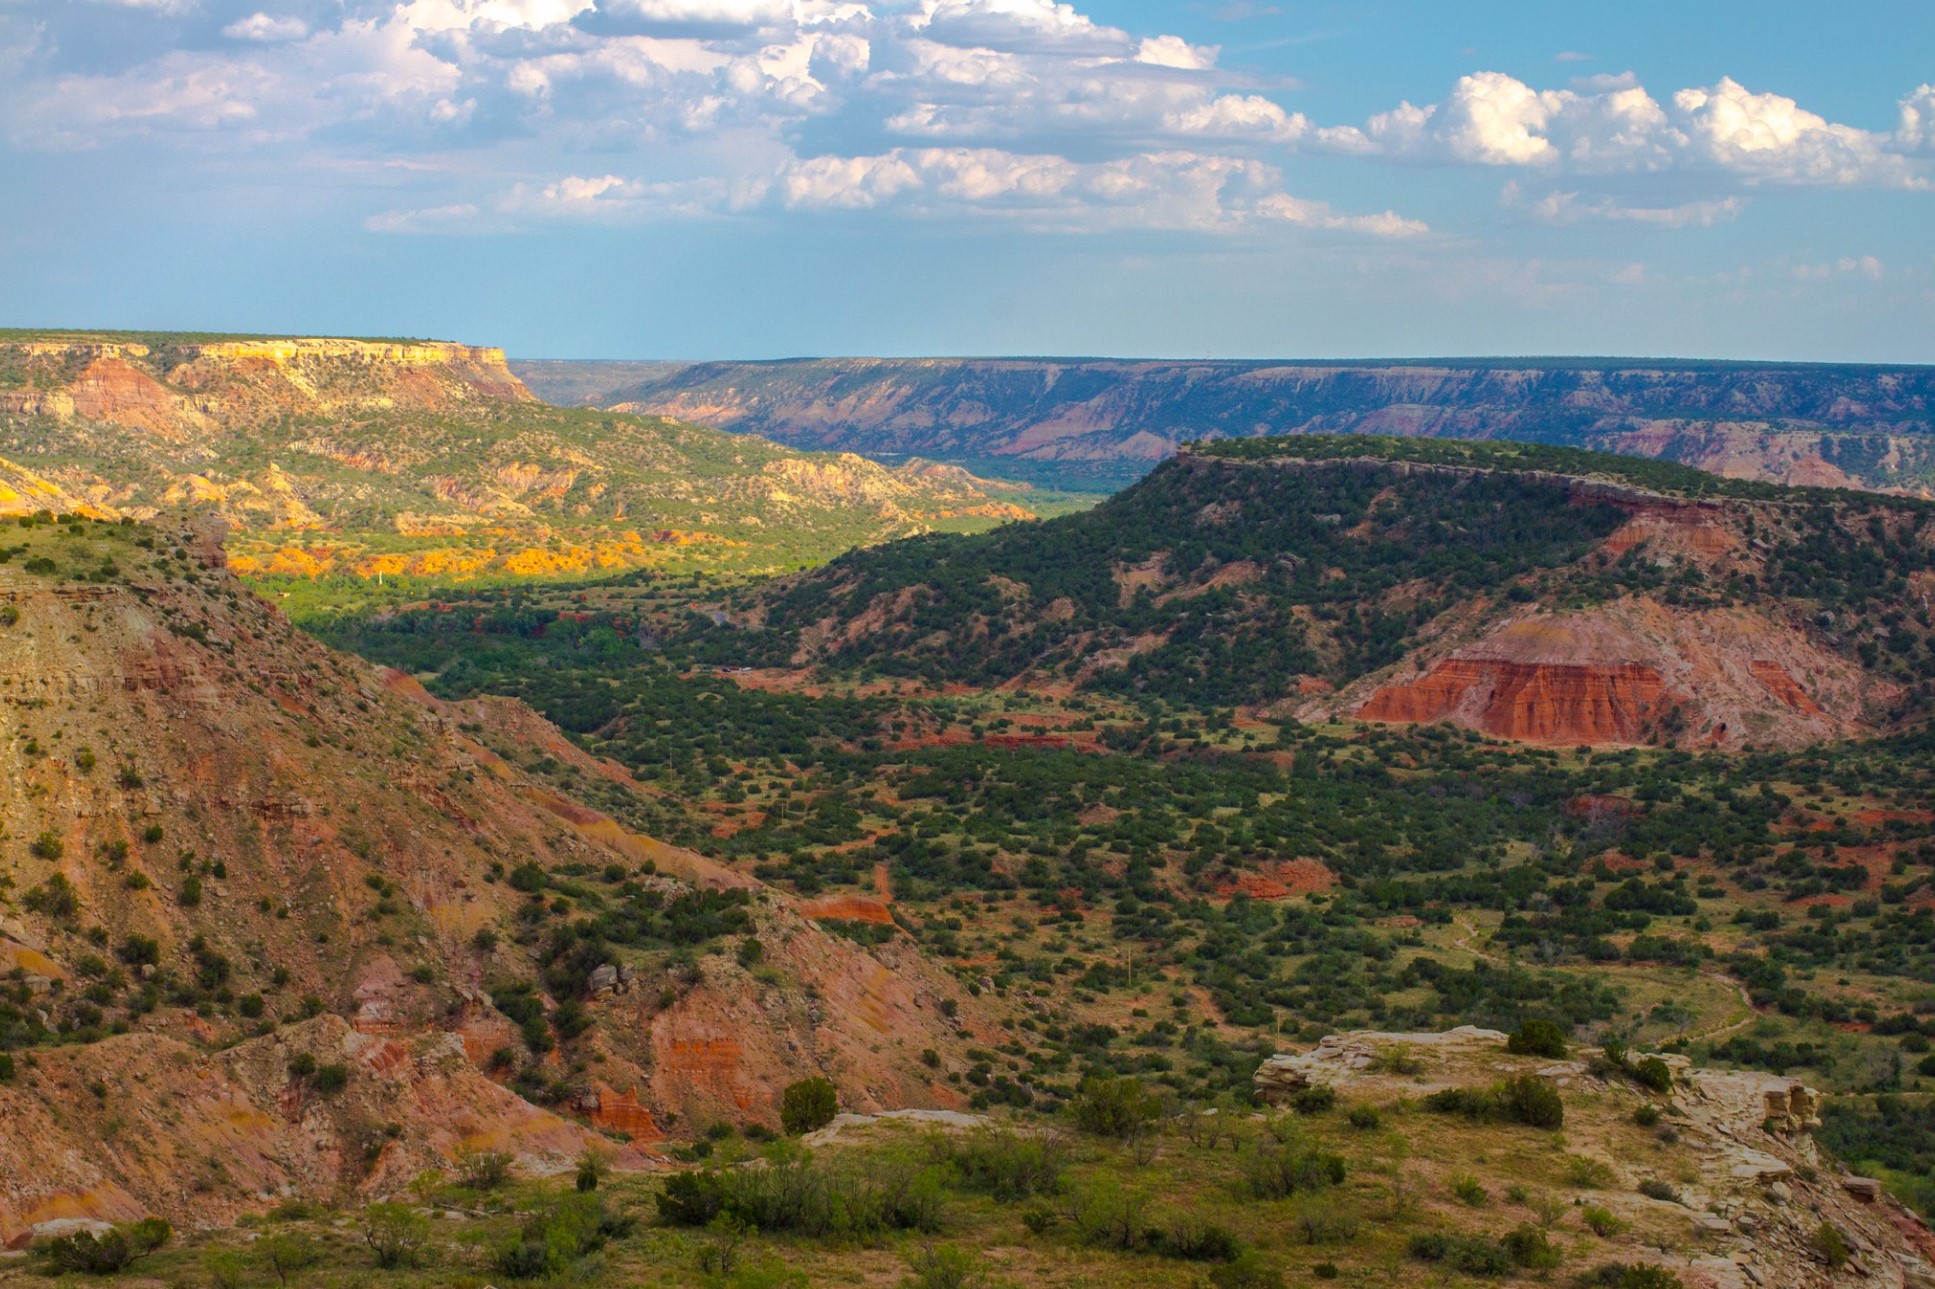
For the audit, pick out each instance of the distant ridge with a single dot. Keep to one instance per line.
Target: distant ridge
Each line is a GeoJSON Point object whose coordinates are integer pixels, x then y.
{"type": "Point", "coordinates": [1848, 425]}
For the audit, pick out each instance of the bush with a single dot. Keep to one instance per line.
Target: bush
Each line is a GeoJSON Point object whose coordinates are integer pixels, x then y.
{"type": "Point", "coordinates": [1641, 1275]}
{"type": "Point", "coordinates": [331, 1079]}
{"type": "Point", "coordinates": [808, 1105]}
{"type": "Point", "coordinates": [6, 1068]}
{"type": "Point", "coordinates": [794, 1193]}
{"type": "Point", "coordinates": [1524, 1098]}
{"type": "Point", "coordinates": [945, 1267]}
{"type": "Point", "coordinates": [1530, 1248]}
{"type": "Point", "coordinates": [1472, 1254]}
{"type": "Point", "coordinates": [1318, 1219]}
{"type": "Point", "coordinates": [1005, 1164]}
{"type": "Point", "coordinates": [285, 1254]}
{"type": "Point", "coordinates": [1315, 1099]}
{"type": "Point", "coordinates": [1537, 1038]}
{"type": "Point", "coordinates": [106, 1252]}
{"type": "Point", "coordinates": [1113, 1107]}
{"type": "Point", "coordinates": [1248, 1271]}
{"type": "Point", "coordinates": [592, 1166]}
{"type": "Point", "coordinates": [1468, 1192]}
{"type": "Point", "coordinates": [1601, 1221]}
{"type": "Point", "coordinates": [396, 1234]}
{"type": "Point", "coordinates": [1831, 1245]}
{"type": "Point", "coordinates": [482, 1170]}
{"type": "Point", "coordinates": [1656, 1188]}
{"type": "Point", "coordinates": [1651, 1072]}
{"type": "Point", "coordinates": [1195, 1239]}
{"type": "Point", "coordinates": [1273, 1170]}
{"type": "Point", "coordinates": [1646, 1116]}
{"type": "Point", "coordinates": [1365, 1116]}
{"type": "Point", "coordinates": [558, 1236]}
{"type": "Point", "coordinates": [1533, 1101]}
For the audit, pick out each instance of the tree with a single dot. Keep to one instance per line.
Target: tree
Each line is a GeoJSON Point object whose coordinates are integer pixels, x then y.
{"type": "Point", "coordinates": [395, 1234]}
{"type": "Point", "coordinates": [1537, 1038]}
{"type": "Point", "coordinates": [106, 1252]}
{"type": "Point", "coordinates": [808, 1105]}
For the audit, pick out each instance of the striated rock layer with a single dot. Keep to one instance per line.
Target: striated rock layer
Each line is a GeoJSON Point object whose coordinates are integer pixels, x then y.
{"type": "Point", "coordinates": [1532, 702]}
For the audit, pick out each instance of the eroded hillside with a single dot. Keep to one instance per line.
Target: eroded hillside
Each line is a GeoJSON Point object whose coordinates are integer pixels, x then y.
{"type": "Point", "coordinates": [425, 460]}
{"type": "Point", "coordinates": [223, 846]}
{"type": "Point", "coordinates": [1533, 594]}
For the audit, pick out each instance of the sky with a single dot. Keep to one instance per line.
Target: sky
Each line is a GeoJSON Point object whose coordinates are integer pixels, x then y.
{"type": "Point", "coordinates": [762, 178]}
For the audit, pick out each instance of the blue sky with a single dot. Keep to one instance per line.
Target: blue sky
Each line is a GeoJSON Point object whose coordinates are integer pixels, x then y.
{"type": "Point", "coordinates": [745, 178]}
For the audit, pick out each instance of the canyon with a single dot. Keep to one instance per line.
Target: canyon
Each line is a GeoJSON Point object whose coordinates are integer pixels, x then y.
{"type": "Point", "coordinates": [1796, 423]}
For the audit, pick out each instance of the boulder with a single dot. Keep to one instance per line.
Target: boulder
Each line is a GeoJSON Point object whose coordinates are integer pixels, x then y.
{"type": "Point", "coordinates": [1865, 1189]}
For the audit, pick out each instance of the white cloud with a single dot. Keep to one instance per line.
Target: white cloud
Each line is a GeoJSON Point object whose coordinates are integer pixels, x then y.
{"type": "Point", "coordinates": [1238, 116]}
{"type": "Point", "coordinates": [1573, 208]}
{"type": "Point", "coordinates": [1018, 26]}
{"type": "Point", "coordinates": [1866, 267]}
{"type": "Point", "coordinates": [173, 8]}
{"type": "Point", "coordinates": [1174, 51]}
{"type": "Point", "coordinates": [847, 183]}
{"type": "Point", "coordinates": [435, 219]}
{"type": "Point", "coordinates": [1767, 136]}
{"type": "Point", "coordinates": [1317, 214]}
{"type": "Point", "coordinates": [1916, 132]}
{"type": "Point", "coordinates": [266, 29]}
{"type": "Point", "coordinates": [1612, 125]}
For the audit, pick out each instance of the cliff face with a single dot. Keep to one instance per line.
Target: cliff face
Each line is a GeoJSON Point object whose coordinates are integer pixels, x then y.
{"type": "Point", "coordinates": [1530, 593]}
{"type": "Point", "coordinates": [176, 387]}
{"type": "Point", "coordinates": [217, 827]}
{"type": "Point", "coordinates": [428, 459]}
{"type": "Point", "coordinates": [1802, 424]}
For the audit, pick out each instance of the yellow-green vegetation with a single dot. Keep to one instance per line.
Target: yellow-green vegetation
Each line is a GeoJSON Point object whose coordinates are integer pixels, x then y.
{"type": "Point", "coordinates": [1238, 1200]}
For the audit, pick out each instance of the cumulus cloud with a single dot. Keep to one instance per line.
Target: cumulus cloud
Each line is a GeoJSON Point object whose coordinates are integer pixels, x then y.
{"type": "Point", "coordinates": [266, 29]}
{"type": "Point", "coordinates": [530, 110]}
{"type": "Point", "coordinates": [1612, 125]}
{"type": "Point", "coordinates": [1916, 132]}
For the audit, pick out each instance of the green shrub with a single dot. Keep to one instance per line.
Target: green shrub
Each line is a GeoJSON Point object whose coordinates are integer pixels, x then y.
{"type": "Point", "coordinates": [1659, 1189]}
{"type": "Point", "coordinates": [795, 1193]}
{"type": "Point", "coordinates": [482, 1170]}
{"type": "Point", "coordinates": [331, 1079]}
{"type": "Point", "coordinates": [1533, 1101]}
{"type": "Point", "coordinates": [1524, 1098]}
{"type": "Point", "coordinates": [1468, 1192]}
{"type": "Point", "coordinates": [1365, 1116]}
{"type": "Point", "coordinates": [6, 1068]}
{"type": "Point", "coordinates": [1003, 1163]}
{"type": "Point", "coordinates": [555, 1238]}
{"type": "Point", "coordinates": [1530, 1248]}
{"type": "Point", "coordinates": [1472, 1254]}
{"type": "Point", "coordinates": [1537, 1038]}
{"type": "Point", "coordinates": [1248, 1271]}
{"type": "Point", "coordinates": [1646, 1116]}
{"type": "Point", "coordinates": [286, 1253]}
{"type": "Point", "coordinates": [1601, 1221]}
{"type": "Point", "coordinates": [1195, 1239]}
{"type": "Point", "coordinates": [945, 1267]}
{"type": "Point", "coordinates": [1652, 1072]}
{"type": "Point", "coordinates": [1639, 1275]}
{"type": "Point", "coordinates": [808, 1105]}
{"type": "Point", "coordinates": [1315, 1099]}
{"type": "Point", "coordinates": [1831, 1245]}
{"type": "Point", "coordinates": [396, 1235]}
{"type": "Point", "coordinates": [1273, 1170]}
{"type": "Point", "coordinates": [1113, 1107]}
{"type": "Point", "coordinates": [106, 1252]}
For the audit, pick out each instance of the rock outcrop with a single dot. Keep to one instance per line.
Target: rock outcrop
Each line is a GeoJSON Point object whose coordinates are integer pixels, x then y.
{"type": "Point", "coordinates": [1753, 1188]}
